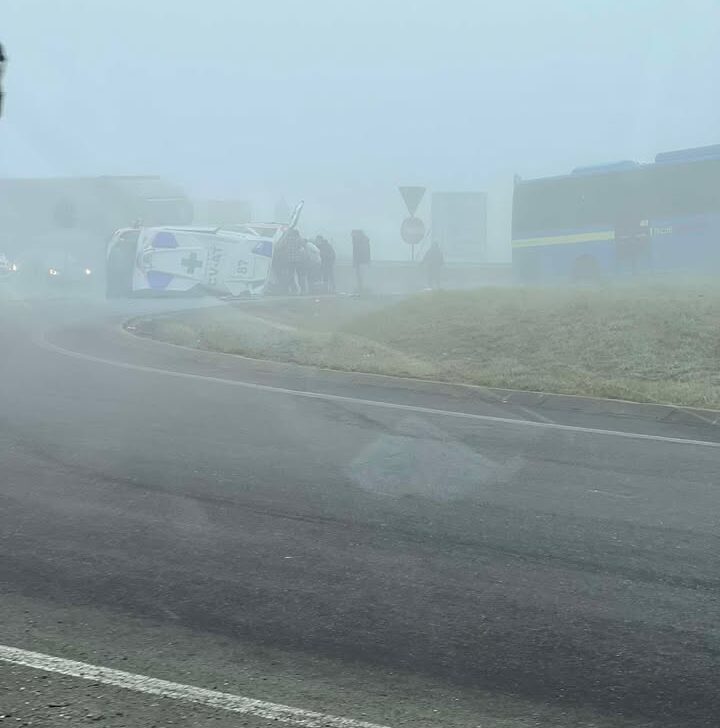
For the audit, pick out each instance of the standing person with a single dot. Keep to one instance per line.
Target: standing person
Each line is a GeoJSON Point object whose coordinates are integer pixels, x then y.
{"type": "Point", "coordinates": [3, 61]}
{"type": "Point", "coordinates": [297, 262]}
{"type": "Point", "coordinates": [313, 267]}
{"type": "Point", "coordinates": [327, 262]}
{"type": "Point", "coordinates": [433, 261]}
{"type": "Point", "coordinates": [278, 267]}
{"type": "Point", "coordinates": [361, 258]}
{"type": "Point", "coordinates": [283, 262]}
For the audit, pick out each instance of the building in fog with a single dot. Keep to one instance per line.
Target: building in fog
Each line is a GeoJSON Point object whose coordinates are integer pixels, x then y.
{"type": "Point", "coordinates": [222, 213]}
{"type": "Point", "coordinates": [82, 212]}
{"type": "Point", "coordinates": [459, 225]}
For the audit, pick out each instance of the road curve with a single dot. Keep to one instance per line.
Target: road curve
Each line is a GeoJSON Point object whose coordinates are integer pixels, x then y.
{"type": "Point", "coordinates": [567, 558]}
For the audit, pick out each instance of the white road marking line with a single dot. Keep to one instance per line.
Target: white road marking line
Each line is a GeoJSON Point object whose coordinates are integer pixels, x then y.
{"type": "Point", "coordinates": [178, 691]}
{"type": "Point", "coordinates": [612, 495]}
{"type": "Point", "coordinates": [377, 403]}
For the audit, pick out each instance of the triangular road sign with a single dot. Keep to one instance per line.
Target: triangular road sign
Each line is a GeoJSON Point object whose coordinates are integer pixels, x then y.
{"type": "Point", "coordinates": [412, 197]}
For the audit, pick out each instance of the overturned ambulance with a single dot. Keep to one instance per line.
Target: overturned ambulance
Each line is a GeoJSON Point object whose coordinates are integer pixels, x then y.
{"type": "Point", "coordinates": [185, 260]}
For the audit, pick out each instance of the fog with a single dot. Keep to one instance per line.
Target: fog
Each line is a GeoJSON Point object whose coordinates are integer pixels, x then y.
{"type": "Point", "coordinates": [283, 469]}
{"type": "Point", "coordinates": [339, 102]}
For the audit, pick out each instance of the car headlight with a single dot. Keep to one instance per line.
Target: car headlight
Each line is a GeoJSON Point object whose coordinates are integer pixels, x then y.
{"type": "Point", "coordinates": [13, 267]}
{"type": "Point", "coordinates": [88, 272]}
{"type": "Point", "coordinates": [53, 271]}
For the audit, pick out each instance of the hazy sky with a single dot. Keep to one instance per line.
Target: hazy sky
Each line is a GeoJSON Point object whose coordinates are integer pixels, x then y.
{"type": "Point", "coordinates": [338, 101]}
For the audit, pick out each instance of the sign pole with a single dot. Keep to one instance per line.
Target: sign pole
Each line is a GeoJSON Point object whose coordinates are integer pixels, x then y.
{"type": "Point", "coordinates": [412, 230]}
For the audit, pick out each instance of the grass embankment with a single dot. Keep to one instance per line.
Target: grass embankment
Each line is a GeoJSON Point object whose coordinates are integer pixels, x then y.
{"type": "Point", "coordinates": [653, 344]}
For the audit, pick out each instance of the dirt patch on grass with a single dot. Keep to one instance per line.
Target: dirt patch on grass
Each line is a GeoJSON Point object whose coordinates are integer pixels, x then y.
{"type": "Point", "coordinates": [650, 343]}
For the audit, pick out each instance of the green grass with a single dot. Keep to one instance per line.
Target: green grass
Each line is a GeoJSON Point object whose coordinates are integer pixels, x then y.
{"type": "Point", "coordinates": [653, 343]}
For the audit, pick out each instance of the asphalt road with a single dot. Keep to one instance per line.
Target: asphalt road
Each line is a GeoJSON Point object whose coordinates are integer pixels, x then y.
{"type": "Point", "coordinates": [407, 553]}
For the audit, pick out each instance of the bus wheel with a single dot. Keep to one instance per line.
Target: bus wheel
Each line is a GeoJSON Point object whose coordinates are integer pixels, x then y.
{"type": "Point", "coordinates": [586, 269]}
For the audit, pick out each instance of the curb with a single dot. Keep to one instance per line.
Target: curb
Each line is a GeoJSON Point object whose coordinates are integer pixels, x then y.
{"type": "Point", "coordinates": [669, 413]}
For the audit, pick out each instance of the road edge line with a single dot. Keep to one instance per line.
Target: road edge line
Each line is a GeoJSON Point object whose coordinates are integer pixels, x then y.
{"type": "Point", "coordinates": [178, 691]}
{"type": "Point", "coordinates": [328, 397]}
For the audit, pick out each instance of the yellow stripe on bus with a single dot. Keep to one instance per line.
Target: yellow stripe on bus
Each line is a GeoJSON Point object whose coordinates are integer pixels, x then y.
{"type": "Point", "coordinates": [564, 239]}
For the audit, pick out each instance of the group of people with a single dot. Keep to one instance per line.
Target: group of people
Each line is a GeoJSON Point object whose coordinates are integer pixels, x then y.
{"type": "Point", "coordinates": [302, 266]}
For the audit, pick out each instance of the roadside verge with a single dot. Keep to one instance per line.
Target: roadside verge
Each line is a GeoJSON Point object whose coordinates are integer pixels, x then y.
{"type": "Point", "coordinates": [651, 345]}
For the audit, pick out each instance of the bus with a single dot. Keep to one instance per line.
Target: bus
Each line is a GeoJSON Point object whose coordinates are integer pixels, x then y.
{"type": "Point", "coordinates": [620, 219]}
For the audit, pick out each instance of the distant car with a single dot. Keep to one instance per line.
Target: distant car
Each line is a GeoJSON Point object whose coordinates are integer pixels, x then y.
{"type": "Point", "coordinates": [68, 269]}
{"type": "Point", "coordinates": [7, 267]}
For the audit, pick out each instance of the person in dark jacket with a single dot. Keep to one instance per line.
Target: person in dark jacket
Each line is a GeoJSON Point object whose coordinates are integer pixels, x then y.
{"type": "Point", "coordinates": [285, 256]}
{"type": "Point", "coordinates": [3, 61]}
{"type": "Point", "coordinates": [327, 262]}
{"type": "Point", "coordinates": [361, 258]}
{"type": "Point", "coordinates": [433, 262]}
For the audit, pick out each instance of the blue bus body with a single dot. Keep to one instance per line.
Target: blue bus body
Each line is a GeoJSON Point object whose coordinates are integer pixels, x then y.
{"type": "Point", "coordinates": [620, 219]}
